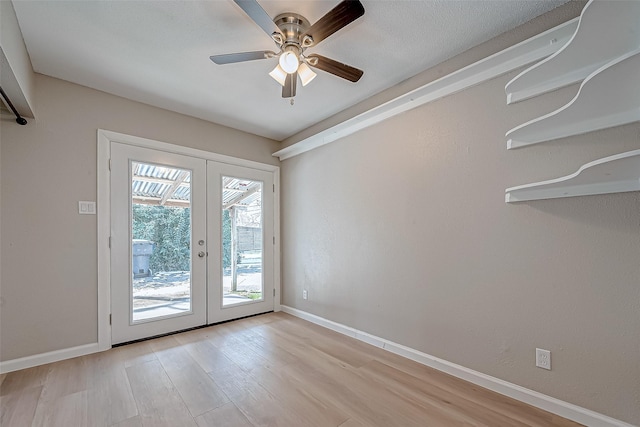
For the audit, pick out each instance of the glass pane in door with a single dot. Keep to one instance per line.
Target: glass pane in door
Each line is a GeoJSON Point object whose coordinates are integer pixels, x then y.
{"type": "Point", "coordinates": [242, 220]}
{"type": "Point", "coordinates": [160, 241]}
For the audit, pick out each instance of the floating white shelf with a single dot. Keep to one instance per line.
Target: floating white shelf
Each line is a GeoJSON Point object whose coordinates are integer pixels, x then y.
{"type": "Point", "coordinates": [607, 30]}
{"type": "Point", "coordinates": [609, 97]}
{"type": "Point", "coordinates": [615, 174]}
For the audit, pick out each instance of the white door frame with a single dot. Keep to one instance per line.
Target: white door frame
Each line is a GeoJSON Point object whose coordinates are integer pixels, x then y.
{"type": "Point", "coordinates": [103, 210]}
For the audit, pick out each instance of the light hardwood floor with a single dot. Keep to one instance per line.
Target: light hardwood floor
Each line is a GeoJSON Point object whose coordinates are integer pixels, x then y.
{"type": "Point", "coordinates": [268, 370]}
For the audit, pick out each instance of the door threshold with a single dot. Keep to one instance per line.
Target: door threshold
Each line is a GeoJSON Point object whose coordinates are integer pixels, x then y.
{"type": "Point", "coordinates": [187, 330]}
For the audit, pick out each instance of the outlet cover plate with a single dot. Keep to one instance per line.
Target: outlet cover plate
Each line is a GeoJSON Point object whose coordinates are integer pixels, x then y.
{"type": "Point", "coordinates": [543, 358]}
{"type": "Point", "coordinates": [305, 295]}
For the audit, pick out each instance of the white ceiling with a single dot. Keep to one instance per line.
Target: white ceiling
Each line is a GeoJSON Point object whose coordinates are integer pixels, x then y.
{"type": "Point", "coordinates": [157, 52]}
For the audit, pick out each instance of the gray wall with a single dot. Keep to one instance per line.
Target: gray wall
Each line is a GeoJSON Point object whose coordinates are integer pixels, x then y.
{"type": "Point", "coordinates": [49, 266]}
{"type": "Point", "coordinates": [401, 230]}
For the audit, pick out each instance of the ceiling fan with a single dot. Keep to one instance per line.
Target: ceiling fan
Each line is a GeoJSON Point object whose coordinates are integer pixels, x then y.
{"type": "Point", "coordinates": [293, 34]}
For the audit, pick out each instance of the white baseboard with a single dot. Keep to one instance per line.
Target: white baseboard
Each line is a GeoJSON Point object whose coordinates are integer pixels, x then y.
{"type": "Point", "coordinates": [49, 357]}
{"type": "Point", "coordinates": [555, 406]}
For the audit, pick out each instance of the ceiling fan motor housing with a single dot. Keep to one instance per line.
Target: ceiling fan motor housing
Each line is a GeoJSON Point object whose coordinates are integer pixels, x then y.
{"type": "Point", "coordinates": [292, 26]}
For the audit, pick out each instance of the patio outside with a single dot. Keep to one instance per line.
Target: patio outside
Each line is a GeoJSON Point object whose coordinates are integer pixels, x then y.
{"type": "Point", "coordinates": [161, 241]}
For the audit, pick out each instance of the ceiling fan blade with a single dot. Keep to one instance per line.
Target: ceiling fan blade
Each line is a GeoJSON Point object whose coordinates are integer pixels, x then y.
{"type": "Point", "coordinates": [289, 88]}
{"type": "Point", "coordinates": [230, 58]}
{"type": "Point", "coordinates": [334, 67]}
{"type": "Point", "coordinates": [338, 17]}
{"type": "Point", "coordinates": [258, 15]}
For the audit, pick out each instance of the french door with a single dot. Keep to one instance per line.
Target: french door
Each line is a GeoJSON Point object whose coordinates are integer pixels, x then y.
{"type": "Point", "coordinates": [240, 265]}
{"type": "Point", "coordinates": [190, 242]}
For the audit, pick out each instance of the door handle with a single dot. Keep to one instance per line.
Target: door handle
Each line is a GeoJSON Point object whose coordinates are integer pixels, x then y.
{"type": "Point", "coordinates": [201, 254]}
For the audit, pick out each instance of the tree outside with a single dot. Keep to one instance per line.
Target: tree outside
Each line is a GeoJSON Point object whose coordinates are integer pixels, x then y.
{"type": "Point", "coordinates": [169, 228]}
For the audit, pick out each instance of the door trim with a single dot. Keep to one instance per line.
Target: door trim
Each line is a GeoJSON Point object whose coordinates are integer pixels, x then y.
{"type": "Point", "coordinates": [104, 139]}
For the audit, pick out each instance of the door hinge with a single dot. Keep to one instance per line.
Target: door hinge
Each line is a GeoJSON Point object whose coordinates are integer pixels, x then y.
{"type": "Point", "coordinates": [274, 240]}
{"type": "Point", "coordinates": [109, 318]}
{"type": "Point", "coordinates": [109, 164]}
{"type": "Point", "coordinates": [109, 242]}
{"type": "Point", "coordinates": [274, 292]}
{"type": "Point", "coordinates": [274, 188]}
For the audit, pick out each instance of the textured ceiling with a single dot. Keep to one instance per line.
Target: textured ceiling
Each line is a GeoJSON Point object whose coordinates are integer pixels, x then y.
{"type": "Point", "coordinates": [157, 52]}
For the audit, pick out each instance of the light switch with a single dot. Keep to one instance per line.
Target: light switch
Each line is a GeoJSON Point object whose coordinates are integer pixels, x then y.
{"type": "Point", "coordinates": [86, 208]}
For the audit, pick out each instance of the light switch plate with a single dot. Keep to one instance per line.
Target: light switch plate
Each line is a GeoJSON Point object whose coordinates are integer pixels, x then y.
{"type": "Point", "coordinates": [86, 208]}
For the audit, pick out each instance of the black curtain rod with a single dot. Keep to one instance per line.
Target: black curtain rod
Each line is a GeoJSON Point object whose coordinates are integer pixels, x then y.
{"type": "Point", "coordinates": [19, 119]}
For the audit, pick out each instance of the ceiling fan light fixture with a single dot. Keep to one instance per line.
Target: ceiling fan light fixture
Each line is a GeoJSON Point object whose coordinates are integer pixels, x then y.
{"type": "Point", "coordinates": [289, 61]}
{"type": "Point", "coordinates": [306, 74]}
{"type": "Point", "coordinates": [307, 41]}
{"type": "Point", "coordinates": [277, 37]}
{"type": "Point", "coordinates": [279, 74]}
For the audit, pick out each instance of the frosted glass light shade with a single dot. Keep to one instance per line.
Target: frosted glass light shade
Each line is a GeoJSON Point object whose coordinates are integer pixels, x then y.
{"type": "Point", "coordinates": [278, 74]}
{"type": "Point", "coordinates": [289, 62]}
{"type": "Point", "coordinates": [306, 74]}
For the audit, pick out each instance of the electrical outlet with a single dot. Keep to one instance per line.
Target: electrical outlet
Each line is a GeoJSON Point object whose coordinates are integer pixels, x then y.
{"type": "Point", "coordinates": [543, 358]}
{"type": "Point", "coordinates": [305, 295]}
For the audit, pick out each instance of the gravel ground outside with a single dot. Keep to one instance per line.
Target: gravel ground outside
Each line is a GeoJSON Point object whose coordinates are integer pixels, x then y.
{"type": "Point", "coordinates": [170, 286]}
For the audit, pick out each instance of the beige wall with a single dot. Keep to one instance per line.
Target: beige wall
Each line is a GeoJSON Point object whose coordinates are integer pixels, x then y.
{"type": "Point", "coordinates": [401, 230]}
{"type": "Point", "coordinates": [49, 267]}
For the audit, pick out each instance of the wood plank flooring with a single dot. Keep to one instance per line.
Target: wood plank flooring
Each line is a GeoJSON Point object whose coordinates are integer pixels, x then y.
{"type": "Point", "coordinates": [269, 370]}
